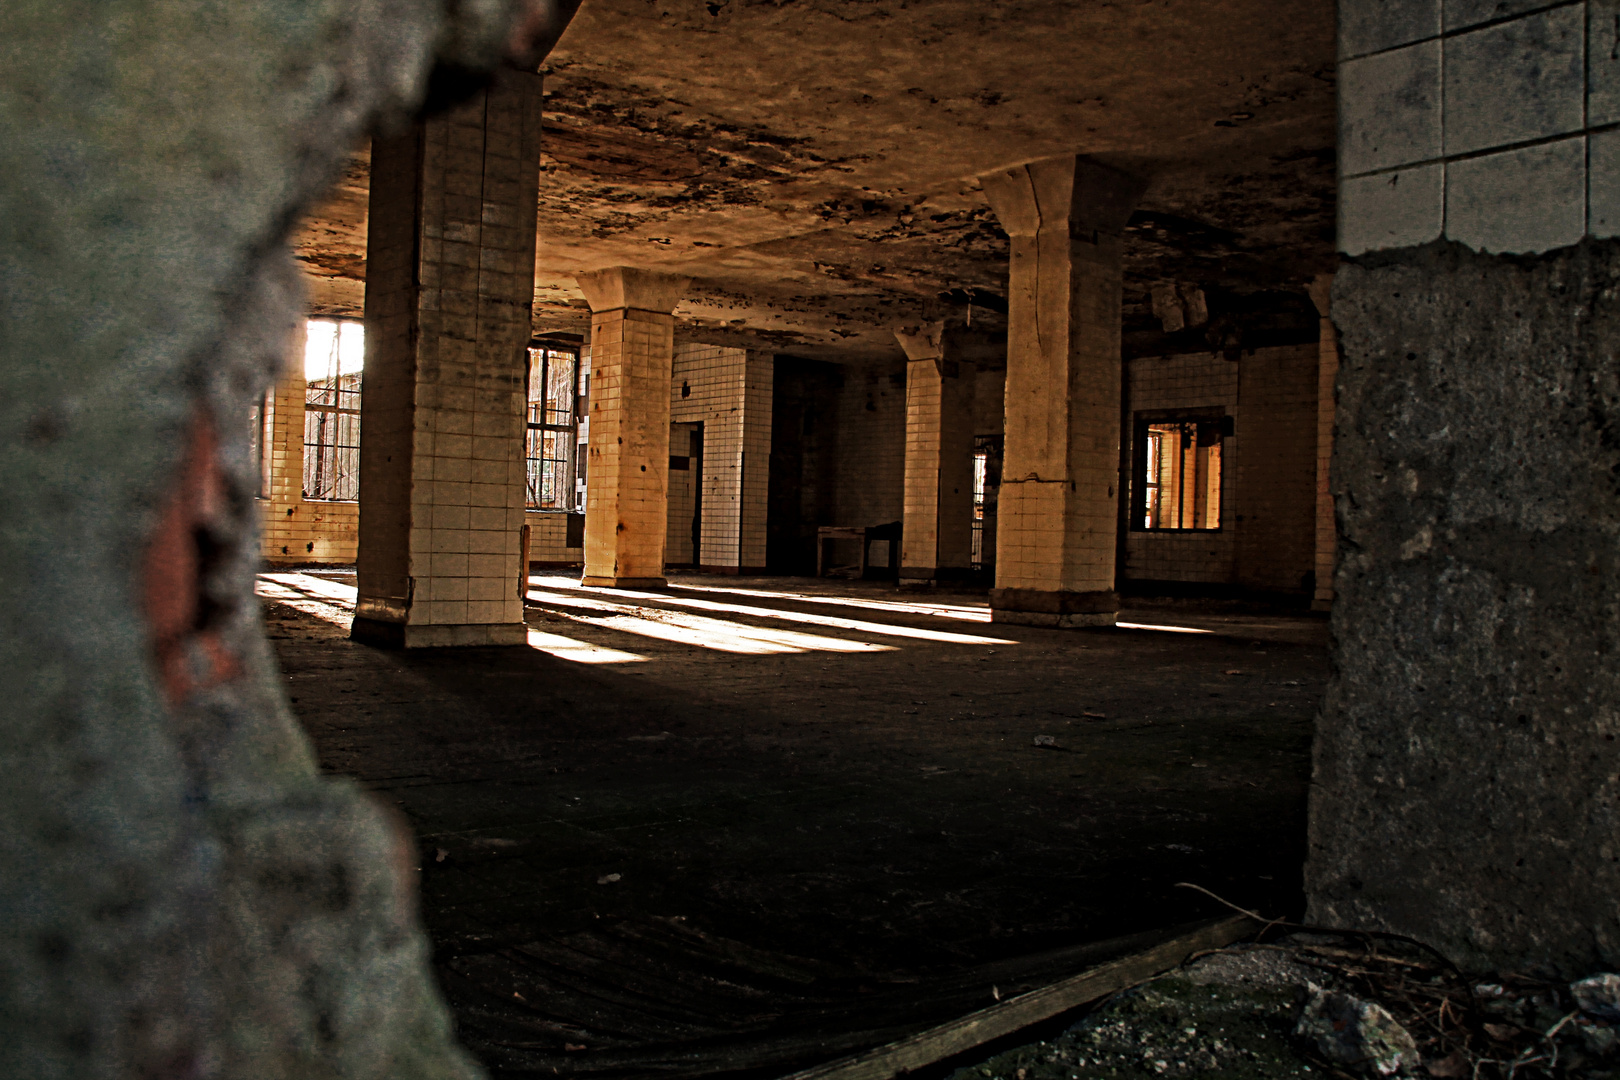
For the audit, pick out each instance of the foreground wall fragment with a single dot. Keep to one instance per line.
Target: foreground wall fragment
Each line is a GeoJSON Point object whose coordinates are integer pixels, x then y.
{"type": "Point", "coordinates": [1467, 763]}
{"type": "Point", "coordinates": [184, 895]}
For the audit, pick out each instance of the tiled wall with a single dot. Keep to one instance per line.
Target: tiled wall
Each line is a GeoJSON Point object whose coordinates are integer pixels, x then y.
{"type": "Point", "coordinates": [729, 392]}
{"type": "Point", "coordinates": [1267, 538]}
{"type": "Point", "coordinates": [1495, 123]}
{"type": "Point", "coordinates": [1188, 381]}
{"type": "Point", "coordinates": [869, 485]}
{"type": "Point", "coordinates": [548, 541]}
{"type": "Point", "coordinates": [297, 530]}
{"type": "Point", "coordinates": [871, 468]}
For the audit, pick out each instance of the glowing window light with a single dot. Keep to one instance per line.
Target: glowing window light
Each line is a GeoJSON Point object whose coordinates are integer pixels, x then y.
{"type": "Point", "coordinates": [333, 344]}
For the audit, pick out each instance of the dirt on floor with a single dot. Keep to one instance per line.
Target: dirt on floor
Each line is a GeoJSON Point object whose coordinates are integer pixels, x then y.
{"type": "Point", "coordinates": [743, 825]}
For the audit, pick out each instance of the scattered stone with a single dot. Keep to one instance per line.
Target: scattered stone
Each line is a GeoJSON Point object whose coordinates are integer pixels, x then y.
{"type": "Point", "coordinates": [1046, 740]}
{"type": "Point", "coordinates": [1598, 996]}
{"type": "Point", "coordinates": [1355, 1033]}
{"type": "Point", "coordinates": [608, 879]}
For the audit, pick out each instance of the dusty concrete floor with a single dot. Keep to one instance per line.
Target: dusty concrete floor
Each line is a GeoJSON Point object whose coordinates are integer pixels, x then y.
{"type": "Point", "coordinates": [747, 824]}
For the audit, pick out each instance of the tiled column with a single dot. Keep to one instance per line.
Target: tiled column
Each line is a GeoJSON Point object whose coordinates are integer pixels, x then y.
{"type": "Point", "coordinates": [1056, 533]}
{"type": "Point", "coordinates": [449, 282]}
{"type": "Point", "coordinates": [937, 527]}
{"type": "Point", "coordinates": [1466, 781]}
{"type": "Point", "coordinates": [632, 353]}
{"type": "Point", "coordinates": [1327, 374]}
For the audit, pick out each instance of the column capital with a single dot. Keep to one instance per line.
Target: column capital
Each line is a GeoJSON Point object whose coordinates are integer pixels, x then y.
{"type": "Point", "coordinates": [618, 287]}
{"type": "Point", "coordinates": [1073, 190]}
{"type": "Point", "coordinates": [922, 342]}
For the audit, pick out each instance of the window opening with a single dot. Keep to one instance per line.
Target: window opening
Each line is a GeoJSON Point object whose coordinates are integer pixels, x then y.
{"type": "Point", "coordinates": [1178, 469]}
{"type": "Point", "coordinates": [551, 438]}
{"type": "Point", "coordinates": [986, 478]}
{"type": "Point", "coordinates": [333, 359]}
{"type": "Point", "coordinates": [261, 422]}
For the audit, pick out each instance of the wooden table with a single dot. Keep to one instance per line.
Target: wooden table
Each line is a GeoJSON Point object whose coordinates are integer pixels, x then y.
{"type": "Point", "coordinates": [865, 534]}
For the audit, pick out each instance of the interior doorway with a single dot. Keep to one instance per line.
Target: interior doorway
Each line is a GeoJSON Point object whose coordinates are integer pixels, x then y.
{"type": "Point", "coordinates": [684, 546]}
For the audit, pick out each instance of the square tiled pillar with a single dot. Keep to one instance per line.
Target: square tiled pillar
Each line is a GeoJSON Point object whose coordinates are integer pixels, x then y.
{"type": "Point", "coordinates": [1057, 522]}
{"type": "Point", "coordinates": [632, 359]}
{"type": "Point", "coordinates": [449, 281]}
{"type": "Point", "coordinates": [937, 527]}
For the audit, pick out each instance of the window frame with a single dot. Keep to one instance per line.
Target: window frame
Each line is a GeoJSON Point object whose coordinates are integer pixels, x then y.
{"type": "Point", "coordinates": [1195, 417]}
{"type": "Point", "coordinates": [534, 430]}
{"type": "Point", "coordinates": [334, 409]}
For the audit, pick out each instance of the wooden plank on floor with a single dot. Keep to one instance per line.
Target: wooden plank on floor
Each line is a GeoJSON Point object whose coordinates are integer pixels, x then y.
{"type": "Point", "coordinates": [1006, 1017]}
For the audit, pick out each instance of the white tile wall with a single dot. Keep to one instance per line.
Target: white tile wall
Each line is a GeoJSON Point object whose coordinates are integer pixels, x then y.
{"type": "Point", "coordinates": [729, 392]}
{"type": "Point", "coordinates": [1472, 120]}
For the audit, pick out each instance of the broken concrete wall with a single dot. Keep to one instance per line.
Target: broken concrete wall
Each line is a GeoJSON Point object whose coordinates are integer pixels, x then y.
{"type": "Point", "coordinates": [1467, 769]}
{"type": "Point", "coordinates": [185, 895]}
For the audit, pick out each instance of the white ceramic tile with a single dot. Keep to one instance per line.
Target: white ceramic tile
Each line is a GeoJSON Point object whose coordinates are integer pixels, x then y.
{"type": "Point", "coordinates": [1519, 201]}
{"type": "Point", "coordinates": [1372, 25]}
{"type": "Point", "coordinates": [1391, 210]}
{"type": "Point", "coordinates": [1603, 180]}
{"type": "Point", "coordinates": [1389, 109]}
{"type": "Point", "coordinates": [1517, 81]}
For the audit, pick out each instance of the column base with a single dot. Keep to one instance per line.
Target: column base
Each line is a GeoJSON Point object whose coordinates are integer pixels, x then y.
{"type": "Point", "coordinates": [1059, 608]}
{"type": "Point", "coordinates": [393, 635]}
{"type": "Point", "coordinates": [624, 582]}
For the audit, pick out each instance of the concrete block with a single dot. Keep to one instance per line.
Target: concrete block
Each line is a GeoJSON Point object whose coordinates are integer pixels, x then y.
{"type": "Point", "coordinates": [1391, 210]}
{"type": "Point", "coordinates": [1519, 201]}
{"type": "Point", "coordinates": [1603, 62]}
{"type": "Point", "coordinates": [1603, 184]}
{"type": "Point", "coordinates": [1517, 81]}
{"type": "Point", "coordinates": [1461, 14]}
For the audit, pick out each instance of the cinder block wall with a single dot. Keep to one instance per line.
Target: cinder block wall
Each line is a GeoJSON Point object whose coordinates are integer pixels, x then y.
{"type": "Point", "coordinates": [728, 391]}
{"type": "Point", "coordinates": [1268, 469]}
{"type": "Point", "coordinates": [299, 530]}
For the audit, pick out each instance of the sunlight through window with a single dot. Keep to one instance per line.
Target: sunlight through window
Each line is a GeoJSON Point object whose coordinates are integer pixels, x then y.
{"type": "Point", "coordinates": [830, 621]}
{"type": "Point", "coordinates": [580, 652]}
{"type": "Point", "coordinates": [696, 630]}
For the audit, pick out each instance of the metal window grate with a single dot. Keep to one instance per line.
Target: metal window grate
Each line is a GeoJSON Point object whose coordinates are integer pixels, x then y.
{"type": "Point", "coordinates": [550, 439]}
{"type": "Point", "coordinates": [332, 410]}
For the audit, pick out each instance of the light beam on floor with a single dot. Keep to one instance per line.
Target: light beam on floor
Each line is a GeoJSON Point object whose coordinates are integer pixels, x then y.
{"type": "Point", "coordinates": [1165, 629]}
{"type": "Point", "coordinates": [696, 630]}
{"type": "Point", "coordinates": [943, 611]}
{"type": "Point", "coordinates": [831, 621]}
{"type": "Point", "coordinates": [333, 601]}
{"type": "Point", "coordinates": [580, 652]}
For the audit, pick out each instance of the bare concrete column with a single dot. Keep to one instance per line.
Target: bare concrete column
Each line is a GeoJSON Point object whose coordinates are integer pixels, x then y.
{"type": "Point", "coordinates": [1327, 374]}
{"type": "Point", "coordinates": [1058, 508]}
{"type": "Point", "coordinates": [450, 279]}
{"type": "Point", "coordinates": [632, 355]}
{"type": "Point", "coordinates": [937, 528]}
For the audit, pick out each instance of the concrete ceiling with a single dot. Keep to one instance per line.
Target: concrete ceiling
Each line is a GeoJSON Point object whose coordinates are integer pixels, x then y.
{"type": "Point", "coordinates": [811, 163]}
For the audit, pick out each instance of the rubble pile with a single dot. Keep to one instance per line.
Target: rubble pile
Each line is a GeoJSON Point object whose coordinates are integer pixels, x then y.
{"type": "Point", "coordinates": [1347, 1007]}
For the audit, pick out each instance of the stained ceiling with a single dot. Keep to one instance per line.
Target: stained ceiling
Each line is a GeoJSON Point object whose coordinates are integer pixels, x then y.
{"type": "Point", "coordinates": [811, 163]}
